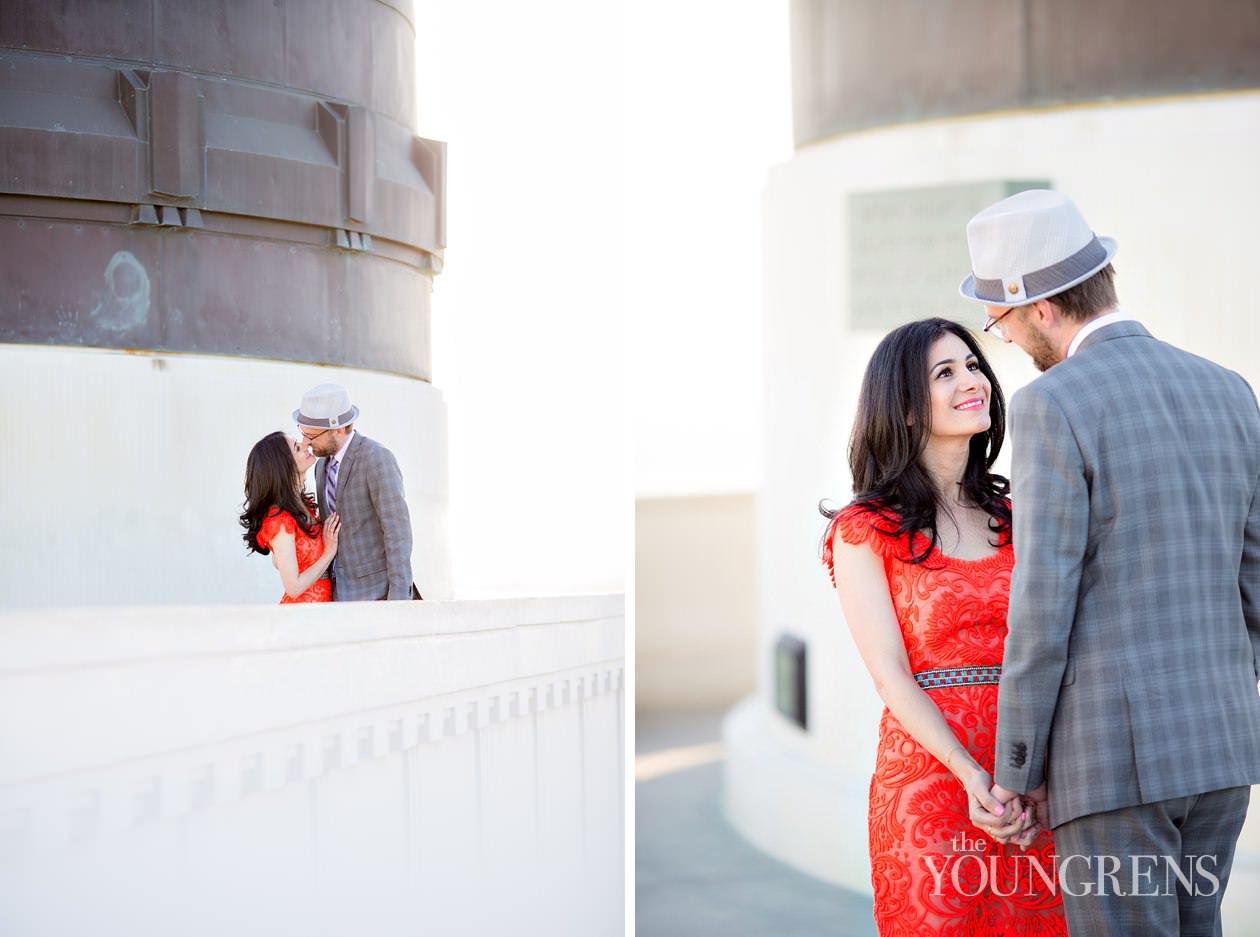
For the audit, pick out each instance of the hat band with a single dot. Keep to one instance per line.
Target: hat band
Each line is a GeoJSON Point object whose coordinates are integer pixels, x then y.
{"type": "Point", "coordinates": [1051, 279]}
{"type": "Point", "coordinates": [328, 422]}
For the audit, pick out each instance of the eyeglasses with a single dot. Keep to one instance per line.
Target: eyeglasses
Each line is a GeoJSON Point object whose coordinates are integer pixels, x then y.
{"type": "Point", "coordinates": [321, 432]}
{"type": "Point", "coordinates": [995, 327]}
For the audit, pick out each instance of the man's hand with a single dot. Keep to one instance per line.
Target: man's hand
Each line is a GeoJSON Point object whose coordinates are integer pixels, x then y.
{"type": "Point", "coordinates": [1039, 810]}
{"type": "Point", "coordinates": [1036, 814]}
{"type": "Point", "coordinates": [1003, 794]}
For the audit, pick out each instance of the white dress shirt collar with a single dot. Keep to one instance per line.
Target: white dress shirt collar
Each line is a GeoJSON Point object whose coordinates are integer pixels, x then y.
{"type": "Point", "coordinates": [1093, 325]}
{"type": "Point", "coordinates": [336, 456]}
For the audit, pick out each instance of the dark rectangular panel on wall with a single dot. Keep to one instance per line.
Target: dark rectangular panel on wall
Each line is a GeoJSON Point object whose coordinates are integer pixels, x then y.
{"type": "Point", "coordinates": [908, 251]}
{"type": "Point", "coordinates": [791, 679]}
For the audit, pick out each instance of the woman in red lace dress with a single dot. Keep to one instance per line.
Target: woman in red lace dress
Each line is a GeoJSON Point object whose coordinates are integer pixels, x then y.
{"type": "Point", "coordinates": [922, 561]}
{"type": "Point", "coordinates": [280, 518]}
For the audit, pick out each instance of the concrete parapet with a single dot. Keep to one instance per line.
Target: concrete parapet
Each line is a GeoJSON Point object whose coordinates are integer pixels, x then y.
{"type": "Point", "coordinates": [384, 768]}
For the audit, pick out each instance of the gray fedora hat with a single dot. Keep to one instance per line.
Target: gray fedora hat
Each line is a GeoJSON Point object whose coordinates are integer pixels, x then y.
{"type": "Point", "coordinates": [1031, 246]}
{"type": "Point", "coordinates": [327, 406]}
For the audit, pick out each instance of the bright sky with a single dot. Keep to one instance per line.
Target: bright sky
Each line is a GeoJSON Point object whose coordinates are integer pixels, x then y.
{"type": "Point", "coordinates": [708, 112]}
{"type": "Point", "coordinates": [597, 326]}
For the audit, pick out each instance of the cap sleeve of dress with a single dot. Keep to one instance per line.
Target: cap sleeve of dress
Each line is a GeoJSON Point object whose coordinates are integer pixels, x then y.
{"type": "Point", "coordinates": [275, 522]}
{"type": "Point", "coordinates": [857, 524]}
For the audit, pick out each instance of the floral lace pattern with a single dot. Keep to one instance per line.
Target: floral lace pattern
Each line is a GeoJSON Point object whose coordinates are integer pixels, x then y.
{"type": "Point", "coordinates": [933, 872]}
{"type": "Point", "coordinates": [308, 549]}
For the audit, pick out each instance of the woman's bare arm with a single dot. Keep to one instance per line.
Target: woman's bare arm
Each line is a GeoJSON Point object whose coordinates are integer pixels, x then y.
{"type": "Point", "coordinates": [284, 558]}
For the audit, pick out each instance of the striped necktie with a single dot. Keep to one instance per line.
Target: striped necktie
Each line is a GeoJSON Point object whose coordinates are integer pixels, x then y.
{"type": "Point", "coordinates": [330, 485]}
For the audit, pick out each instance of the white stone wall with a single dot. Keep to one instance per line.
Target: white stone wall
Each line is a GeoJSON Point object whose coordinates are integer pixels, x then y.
{"type": "Point", "coordinates": [339, 769]}
{"type": "Point", "coordinates": [1173, 180]}
{"type": "Point", "coordinates": [124, 472]}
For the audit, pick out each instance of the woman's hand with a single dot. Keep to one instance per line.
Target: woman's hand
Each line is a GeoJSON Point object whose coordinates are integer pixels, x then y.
{"type": "Point", "coordinates": [998, 820]}
{"type": "Point", "coordinates": [332, 527]}
{"type": "Point", "coordinates": [1018, 821]}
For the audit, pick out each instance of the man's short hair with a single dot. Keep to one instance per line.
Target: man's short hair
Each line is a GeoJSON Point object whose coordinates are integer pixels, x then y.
{"type": "Point", "coordinates": [1088, 298]}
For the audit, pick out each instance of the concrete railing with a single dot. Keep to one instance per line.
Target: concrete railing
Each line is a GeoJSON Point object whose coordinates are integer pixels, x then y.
{"type": "Point", "coordinates": [368, 768]}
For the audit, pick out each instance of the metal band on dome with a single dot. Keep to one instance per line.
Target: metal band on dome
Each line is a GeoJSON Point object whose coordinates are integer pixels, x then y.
{"type": "Point", "coordinates": [1051, 279]}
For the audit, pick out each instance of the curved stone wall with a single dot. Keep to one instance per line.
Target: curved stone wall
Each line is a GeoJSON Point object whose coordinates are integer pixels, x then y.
{"type": "Point", "coordinates": [235, 178]}
{"type": "Point", "coordinates": [862, 63]}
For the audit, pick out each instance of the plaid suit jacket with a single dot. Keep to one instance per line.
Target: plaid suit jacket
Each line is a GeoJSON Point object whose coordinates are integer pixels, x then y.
{"type": "Point", "coordinates": [374, 548]}
{"type": "Point", "coordinates": [1133, 650]}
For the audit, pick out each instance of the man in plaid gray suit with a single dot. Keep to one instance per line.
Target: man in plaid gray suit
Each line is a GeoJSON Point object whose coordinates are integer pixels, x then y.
{"type": "Point", "coordinates": [1128, 692]}
{"type": "Point", "coordinates": [358, 479]}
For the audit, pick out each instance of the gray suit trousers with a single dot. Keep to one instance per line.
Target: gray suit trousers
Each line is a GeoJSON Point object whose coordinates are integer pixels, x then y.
{"type": "Point", "coordinates": [1115, 871]}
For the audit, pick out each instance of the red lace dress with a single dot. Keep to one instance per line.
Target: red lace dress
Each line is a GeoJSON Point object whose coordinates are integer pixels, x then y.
{"type": "Point", "coordinates": [933, 871]}
{"type": "Point", "coordinates": [308, 549]}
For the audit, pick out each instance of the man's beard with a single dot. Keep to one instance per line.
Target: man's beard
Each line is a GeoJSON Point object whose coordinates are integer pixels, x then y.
{"type": "Point", "coordinates": [1044, 355]}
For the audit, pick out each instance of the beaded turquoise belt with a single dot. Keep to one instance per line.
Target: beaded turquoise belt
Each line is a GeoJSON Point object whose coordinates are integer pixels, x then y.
{"type": "Point", "coordinates": [957, 676]}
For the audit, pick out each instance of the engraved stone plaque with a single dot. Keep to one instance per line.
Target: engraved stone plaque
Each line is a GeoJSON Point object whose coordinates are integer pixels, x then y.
{"type": "Point", "coordinates": [908, 251]}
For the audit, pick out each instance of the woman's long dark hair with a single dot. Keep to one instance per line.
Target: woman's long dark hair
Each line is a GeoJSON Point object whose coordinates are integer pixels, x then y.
{"type": "Point", "coordinates": [884, 449]}
{"type": "Point", "coordinates": [271, 480]}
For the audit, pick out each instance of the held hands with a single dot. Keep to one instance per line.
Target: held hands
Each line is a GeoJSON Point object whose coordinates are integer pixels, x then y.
{"type": "Point", "coordinates": [1038, 802]}
{"type": "Point", "coordinates": [1013, 822]}
{"type": "Point", "coordinates": [995, 810]}
{"type": "Point", "coordinates": [332, 527]}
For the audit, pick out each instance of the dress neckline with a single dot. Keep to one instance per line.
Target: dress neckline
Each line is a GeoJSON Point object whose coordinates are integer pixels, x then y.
{"type": "Point", "coordinates": [949, 560]}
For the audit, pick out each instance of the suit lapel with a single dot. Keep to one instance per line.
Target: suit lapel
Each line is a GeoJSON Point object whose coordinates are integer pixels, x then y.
{"type": "Point", "coordinates": [347, 464]}
{"type": "Point", "coordinates": [321, 472]}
